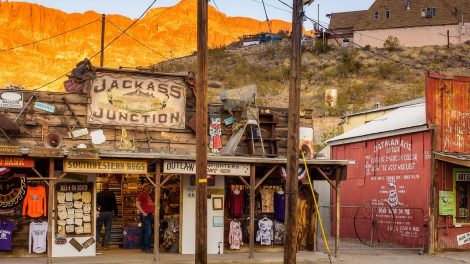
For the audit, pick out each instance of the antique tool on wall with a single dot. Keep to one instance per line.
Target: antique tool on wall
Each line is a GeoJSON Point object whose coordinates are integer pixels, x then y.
{"type": "Point", "coordinates": [53, 140]}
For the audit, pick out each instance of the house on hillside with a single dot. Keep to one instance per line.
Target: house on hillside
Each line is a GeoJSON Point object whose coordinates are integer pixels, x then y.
{"type": "Point", "coordinates": [415, 23]}
{"type": "Point", "coordinates": [341, 29]}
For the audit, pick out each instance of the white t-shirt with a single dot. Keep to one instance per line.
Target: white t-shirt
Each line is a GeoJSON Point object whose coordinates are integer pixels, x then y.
{"type": "Point", "coordinates": [38, 235]}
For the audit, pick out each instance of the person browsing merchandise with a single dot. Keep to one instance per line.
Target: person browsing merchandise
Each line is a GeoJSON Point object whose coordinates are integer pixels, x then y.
{"type": "Point", "coordinates": [146, 208]}
{"type": "Point", "coordinates": [106, 201]}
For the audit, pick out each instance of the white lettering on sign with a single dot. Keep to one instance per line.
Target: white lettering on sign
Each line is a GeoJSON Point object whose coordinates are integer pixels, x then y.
{"type": "Point", "coordinates": [462, 176]}
{"type": "Point", "coordinates": [223, 168]}
{"type": "Point", "coordinates": [463, 239]}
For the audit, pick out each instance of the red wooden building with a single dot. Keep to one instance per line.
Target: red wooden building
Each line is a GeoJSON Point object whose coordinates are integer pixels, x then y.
{"type": "Point", "coordinates": [386, 197]}
{"type": "Point", "coordinates": [448, 111]}
{"type": "Point", "coordinates": [410, 184]}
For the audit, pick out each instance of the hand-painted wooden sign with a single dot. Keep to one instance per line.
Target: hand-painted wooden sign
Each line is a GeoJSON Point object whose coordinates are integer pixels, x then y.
{"type": "Point", "coordinates": [16, 162]}
{"type": "Point", "coordinates": [219, 168]}
{"type": "Point", "coordinates": [463, 239]}
{"type": "Point", "coordinates": [10, 150]}
{"type": "Point", "coordinates": [11, 100]}
{"type": "Point", "coordinates": [106, 166]}
{"type": "Point", "coordinates": [45, 107]}
{"type": "Point", "coordinates": [135, 100]}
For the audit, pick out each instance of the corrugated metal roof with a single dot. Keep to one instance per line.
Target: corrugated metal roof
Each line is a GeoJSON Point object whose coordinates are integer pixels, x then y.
{"type": "Point", "coordinates": [407, 117]}
{"type": "Point", "coordinates": [388, 107]}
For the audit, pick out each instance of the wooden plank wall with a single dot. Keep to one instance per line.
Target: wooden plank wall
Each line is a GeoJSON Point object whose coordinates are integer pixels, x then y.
{"type": "Point", "coordinates": [174, 141]}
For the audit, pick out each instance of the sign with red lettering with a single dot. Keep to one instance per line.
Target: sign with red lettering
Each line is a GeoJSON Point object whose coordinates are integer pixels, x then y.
{"type": "Point", "coordinates": [125, 99]}
{"type": "Point", "coordinates": [16, 162]}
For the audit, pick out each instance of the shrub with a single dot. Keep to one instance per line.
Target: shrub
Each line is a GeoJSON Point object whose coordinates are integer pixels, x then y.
{"type": "Point", "coordinates": [349, 62]}
{"type": "Point", "coordinates": [322, 46]}
{"type": "Point", "coordinates": [387, 69]}
{"type": "Point", "coordinates": [392, 43]}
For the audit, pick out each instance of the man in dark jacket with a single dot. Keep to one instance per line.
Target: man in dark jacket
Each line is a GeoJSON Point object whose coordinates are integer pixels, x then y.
{"type": "Point", "coordinates": [106, 203]}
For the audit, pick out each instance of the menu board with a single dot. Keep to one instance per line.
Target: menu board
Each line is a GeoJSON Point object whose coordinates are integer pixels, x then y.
{"type": "Point", "coordinates": [74, 209]}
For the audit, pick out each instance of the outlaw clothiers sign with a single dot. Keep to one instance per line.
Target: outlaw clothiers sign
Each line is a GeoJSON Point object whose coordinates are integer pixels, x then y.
{"type": "Point", "coordinates": [133, 100]}
{"type": "Point", "coordinates": [213, 168]}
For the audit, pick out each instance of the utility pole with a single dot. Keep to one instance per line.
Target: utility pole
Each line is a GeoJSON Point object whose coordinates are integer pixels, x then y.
{"type": "Point", "coordinates": [103, 23]}
{"type": "Point", "coordinates": [290, 245]}
{"type": "Point", "coordinates": [318, 16]}
{"type": "Point", "coordinates": [201, 133]}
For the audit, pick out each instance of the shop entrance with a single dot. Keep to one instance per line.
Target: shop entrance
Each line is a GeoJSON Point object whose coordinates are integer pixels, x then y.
{"type": "Point", "coordinates": [127, 229]}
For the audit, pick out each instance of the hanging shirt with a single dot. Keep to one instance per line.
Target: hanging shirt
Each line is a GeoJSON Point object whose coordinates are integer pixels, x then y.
{"type": "Point", "coordinates": [267, 200]}
{"type": "Point", "coordinates": [38, 237]}
{"type": "Point", "coordinates": [236, 204]}
{"type": "Point", "coordinates": [265, 231]}
{"type": "Point", "coordinates": [6, 232]}
{"type": "Point", "coordinates": [279, 207]}
{"type": "Point", "coordinates": [235, 237]}
{"type": "Point", "coordinates": [35, 202]}
{"type": "Point", "coordinates": [279, 233]}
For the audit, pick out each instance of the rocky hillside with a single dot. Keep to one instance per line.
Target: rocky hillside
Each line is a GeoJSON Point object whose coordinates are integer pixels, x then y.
{"type": "Point", "coordinates": [363, 77]}
{"type": "Point", "coordinates": [168, 32]}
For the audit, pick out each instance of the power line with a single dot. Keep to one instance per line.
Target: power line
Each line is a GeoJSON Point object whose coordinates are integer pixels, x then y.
{"type": "Point", "coordinates": [125, 30]}
{"type": "Point", "coordinates": [222, 15]}
{"type": "Point", "coordinates": [273, 6]}
{"type": "Point", "coordinates": [138, 41]}
{"type": "Point", "coordinates": [51, 37]}
{"type": "Point", "coordinates": [117, 37]}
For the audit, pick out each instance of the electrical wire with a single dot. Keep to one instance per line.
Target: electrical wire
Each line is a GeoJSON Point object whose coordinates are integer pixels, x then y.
{"type": "Point", "coordinates": [138, 41]}
{"type": "Point", "coordinates": [273, 6]}
{"type": "Point", "coordinates": [50, 37]}
{"type": "Point", "coordinates": [125, 30]}
{"type": "Point", "coordinates": [222, 15]}
{"type": "Point", "coordinates": [267, 18]}
{"type": "Point", "coordinates": [117, 37]}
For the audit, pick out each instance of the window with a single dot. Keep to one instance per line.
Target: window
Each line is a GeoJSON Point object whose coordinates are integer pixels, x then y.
{"type": "Point", "coordinates": [462, 195]}
{"type": "Point", "coordinates": [387, 14]}
{"type": "Point", "coordinates": [376, 15]}
{"type": "Point", "coordinates": [428, 12]}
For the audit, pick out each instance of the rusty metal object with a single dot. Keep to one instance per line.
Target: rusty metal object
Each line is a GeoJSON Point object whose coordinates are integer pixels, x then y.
{"type": "Point", "coordinates": [448, 107]}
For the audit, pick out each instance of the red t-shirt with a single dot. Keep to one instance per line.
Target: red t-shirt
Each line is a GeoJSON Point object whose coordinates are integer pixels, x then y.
{"type": "Point", "coordinates": [146, 203]}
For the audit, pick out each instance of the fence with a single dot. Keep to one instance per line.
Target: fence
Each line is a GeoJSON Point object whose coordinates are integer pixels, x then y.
{"type": "Point", "coordinates": [374, 225]}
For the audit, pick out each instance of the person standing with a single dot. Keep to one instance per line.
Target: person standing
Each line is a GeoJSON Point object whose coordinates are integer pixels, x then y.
{"type": "Point", "coordinates": [146, 208]}
{"type": "Point", "coordinates": [106, 202]}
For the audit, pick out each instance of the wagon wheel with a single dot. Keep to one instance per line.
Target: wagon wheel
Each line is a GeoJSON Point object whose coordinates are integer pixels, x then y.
{"type": "Point", "coordinates": [374, 222]}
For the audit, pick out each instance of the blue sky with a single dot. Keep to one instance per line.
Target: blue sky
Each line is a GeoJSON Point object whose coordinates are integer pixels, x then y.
{"type": "Point", "coordinates": [246, 8]}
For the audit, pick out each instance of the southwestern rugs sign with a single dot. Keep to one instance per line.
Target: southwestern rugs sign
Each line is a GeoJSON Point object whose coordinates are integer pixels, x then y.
{"type": "Point", "coordinates": [134, 100]}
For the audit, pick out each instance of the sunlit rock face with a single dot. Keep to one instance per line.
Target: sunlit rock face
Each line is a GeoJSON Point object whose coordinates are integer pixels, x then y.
{"type": "Point", "coordinates": [168, 32]}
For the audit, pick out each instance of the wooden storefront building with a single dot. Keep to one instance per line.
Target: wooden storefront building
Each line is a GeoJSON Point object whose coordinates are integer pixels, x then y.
{"type": "Point", "coordinates": [127, 128]}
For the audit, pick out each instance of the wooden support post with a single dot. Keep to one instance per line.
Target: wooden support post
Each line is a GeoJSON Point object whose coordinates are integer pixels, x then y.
{"type": "Point", "coordinates": [50, 211]}
{"type": "Point", "coordinates": [251, 254]}
{"type": "Point", "coordinates": [433, 197]}
{"type": "Point", "coordinates": [265, 176]}
{"type": "Point", "coordinates": [201, 133]}
{"type": "Point", "coordinates": [156, 215]}
{"type": "Point", "coordinates": [40, 176]}
{"type": "Point", "coordinates": [338, 210]}
{"type": "Point", "coordinates": [290, 245]}
{"type": "Point", "coordinates": [167, 179]}
{"type": "Point", "coordinates": [325, 177]}
{"type": "Point", "coordinates": [244, 181]}
{"type": "Point", "coordinates": [103, 25]}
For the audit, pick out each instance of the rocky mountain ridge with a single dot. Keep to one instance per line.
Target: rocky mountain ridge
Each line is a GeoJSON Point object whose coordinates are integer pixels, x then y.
{"type": "Point", "coordinates": [167, 32]}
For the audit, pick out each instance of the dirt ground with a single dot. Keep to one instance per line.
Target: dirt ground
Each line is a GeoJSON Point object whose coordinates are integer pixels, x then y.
{"type": "Point", "coordinates": [400, 256]}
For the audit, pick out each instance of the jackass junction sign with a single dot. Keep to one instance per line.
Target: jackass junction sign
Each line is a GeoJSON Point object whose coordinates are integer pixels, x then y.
{"type": "Point", "coordinates": [135, 100]}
